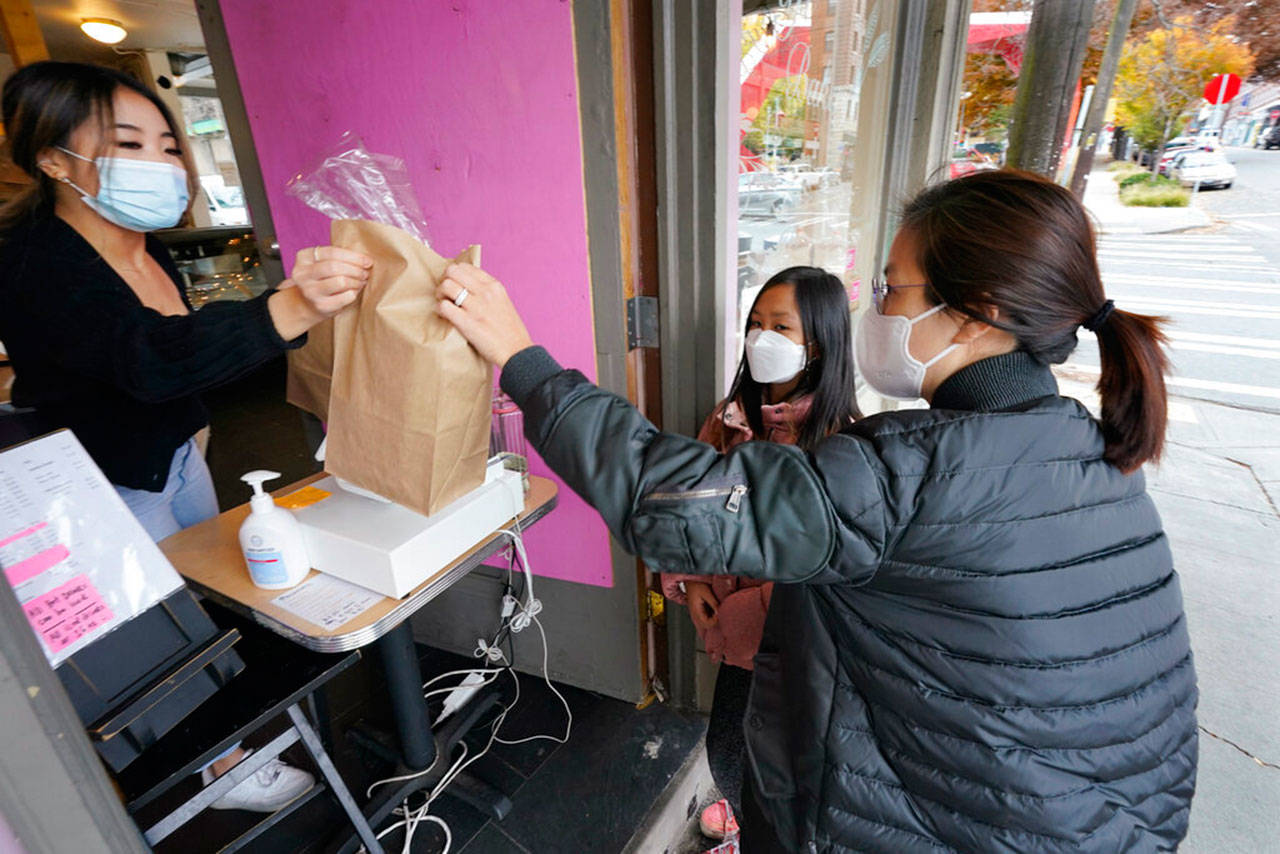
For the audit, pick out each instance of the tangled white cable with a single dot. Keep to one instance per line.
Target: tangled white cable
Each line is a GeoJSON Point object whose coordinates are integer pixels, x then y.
{"type": "Point", "coordinates": [518, 616]}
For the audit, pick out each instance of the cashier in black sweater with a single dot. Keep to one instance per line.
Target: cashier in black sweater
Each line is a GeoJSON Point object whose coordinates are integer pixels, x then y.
{"type": "Point", "coordinates": [93, 314]}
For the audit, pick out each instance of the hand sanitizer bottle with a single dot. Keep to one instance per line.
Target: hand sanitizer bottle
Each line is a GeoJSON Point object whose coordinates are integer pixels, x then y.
{"type": "Point", "coordinates": [271, 539]}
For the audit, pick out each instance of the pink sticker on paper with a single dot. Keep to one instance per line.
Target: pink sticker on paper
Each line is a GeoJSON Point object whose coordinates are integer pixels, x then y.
{"type": "Point", "coordinates": [21, 534]}
{"type": "Point", "coordinates": [36, 564]}
{"type": "Point", "coordinates": [68, 613]}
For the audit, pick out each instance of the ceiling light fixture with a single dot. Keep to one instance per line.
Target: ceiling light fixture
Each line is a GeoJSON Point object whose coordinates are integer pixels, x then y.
{"type": "Point", "coordinates": [103, 30]}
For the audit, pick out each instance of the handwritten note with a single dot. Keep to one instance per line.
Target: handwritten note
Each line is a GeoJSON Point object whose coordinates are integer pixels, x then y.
{"type": "Point", "coordinates": [327, 602]}
{"type": "Point", "coordinates": [68, 613]}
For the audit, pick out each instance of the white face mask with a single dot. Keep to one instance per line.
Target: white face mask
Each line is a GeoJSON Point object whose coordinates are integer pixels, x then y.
{"type": "Point", "coordinates": [884, 357]}
{"type": "Point", "coordinates": [773, 357]}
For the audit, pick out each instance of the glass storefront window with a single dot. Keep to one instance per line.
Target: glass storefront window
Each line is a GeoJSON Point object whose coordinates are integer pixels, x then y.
{"type": "Point", "coordinates": [813, 126]}
{"type": "Point", "coordinates": [215, 159]}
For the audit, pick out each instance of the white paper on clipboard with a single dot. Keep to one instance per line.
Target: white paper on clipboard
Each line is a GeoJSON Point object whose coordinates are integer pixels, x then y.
{"type": "Point", "coordinates": [79, 562]}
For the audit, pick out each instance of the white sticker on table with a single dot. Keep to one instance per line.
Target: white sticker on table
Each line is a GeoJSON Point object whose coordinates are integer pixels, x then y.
{"type": "Point", "coordinates": [327, 602]}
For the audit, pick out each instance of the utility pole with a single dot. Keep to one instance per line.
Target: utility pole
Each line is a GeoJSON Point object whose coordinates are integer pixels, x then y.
{"type": "Point", "coordinates": [1116, 35]}
{"type": "Point", "coordinates": [1051, 63]}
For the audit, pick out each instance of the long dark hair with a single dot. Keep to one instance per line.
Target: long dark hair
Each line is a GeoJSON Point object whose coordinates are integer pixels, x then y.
{"type": "Point", "coordinates": [829, 376]}
{"type": "Point", "coordinates": [43, 104]}
{"type": "Point", "coordinates": [1021, 243]}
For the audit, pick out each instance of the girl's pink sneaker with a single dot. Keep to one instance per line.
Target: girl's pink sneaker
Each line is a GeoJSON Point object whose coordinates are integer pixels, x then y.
{"type": "Point", "coordinates": [718, 822]}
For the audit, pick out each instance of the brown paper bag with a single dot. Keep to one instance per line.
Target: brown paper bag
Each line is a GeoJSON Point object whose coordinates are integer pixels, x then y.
{"type": "Point", "coordinates": [311, 372]}
{"type": "Point", "coordinates": [410, 399]}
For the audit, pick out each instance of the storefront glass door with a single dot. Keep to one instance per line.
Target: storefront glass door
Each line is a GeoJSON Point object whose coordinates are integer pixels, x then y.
{"type": "Point", "coordinates": [813, 133]}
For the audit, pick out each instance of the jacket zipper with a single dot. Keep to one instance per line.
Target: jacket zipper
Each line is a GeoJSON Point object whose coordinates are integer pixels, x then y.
{"type": "Point", "coordinates": [733, 505]}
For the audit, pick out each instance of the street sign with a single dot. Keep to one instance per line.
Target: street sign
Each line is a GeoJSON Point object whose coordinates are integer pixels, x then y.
{"type": "Point", "coordinates": [1222, 88]}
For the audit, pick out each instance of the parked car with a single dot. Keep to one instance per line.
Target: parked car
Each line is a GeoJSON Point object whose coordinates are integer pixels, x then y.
{"type": "Point", "coordinates": [1210, 136]}
{"type": "Point", "coordinates": [1203, 168]}
{"type": "Point", "coordinates": [226, 204]}
{"type": "Point", "coordinates": [771, 202]}
{"type": "Point", "coordinates": [1269, 138]}
{"type": "Point", "coordinates": [1166, 159]}
{"type": "Point", "coordinates": [1178, 143]}
{"type": "Point", "coordinates": [972, 161]}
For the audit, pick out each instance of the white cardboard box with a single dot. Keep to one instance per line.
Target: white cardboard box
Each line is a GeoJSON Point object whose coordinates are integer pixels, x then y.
{"type": "Point", "coordinates": [391, 549]}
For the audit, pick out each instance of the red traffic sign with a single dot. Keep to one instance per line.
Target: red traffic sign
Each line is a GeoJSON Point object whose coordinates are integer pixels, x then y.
{"type": "Point", "coordinates": [1222, 88]}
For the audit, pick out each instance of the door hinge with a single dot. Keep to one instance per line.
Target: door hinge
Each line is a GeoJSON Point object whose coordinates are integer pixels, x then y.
{"type": "Point", "coordinates": [642, 322]}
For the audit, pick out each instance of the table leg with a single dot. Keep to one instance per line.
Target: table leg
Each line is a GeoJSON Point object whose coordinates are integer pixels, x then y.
{"type": "Point", "coordinates": [404, 684]}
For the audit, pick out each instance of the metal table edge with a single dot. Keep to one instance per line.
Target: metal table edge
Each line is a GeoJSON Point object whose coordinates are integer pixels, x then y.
{"type": "Point", "coordinates": [406, 609]}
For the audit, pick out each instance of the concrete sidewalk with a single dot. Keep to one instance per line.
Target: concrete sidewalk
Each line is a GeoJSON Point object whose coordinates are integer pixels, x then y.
{"type": "Point", "coordinates": [1218, 489]}
{"type": "Point", "coordinates": [1102, 198]}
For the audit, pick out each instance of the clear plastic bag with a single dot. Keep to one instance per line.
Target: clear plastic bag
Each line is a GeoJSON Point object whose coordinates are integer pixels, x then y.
{"type": "Point", "coordinates": [350, 182]}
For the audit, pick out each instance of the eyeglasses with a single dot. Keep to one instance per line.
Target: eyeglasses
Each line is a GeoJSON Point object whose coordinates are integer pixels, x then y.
{"type": "Point", "coordinates": [880, 290]}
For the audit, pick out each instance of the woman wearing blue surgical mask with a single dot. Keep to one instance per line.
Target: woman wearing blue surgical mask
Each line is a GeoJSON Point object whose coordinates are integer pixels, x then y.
{"type": "Point", "coordinates": [976, 639]}
{"type": "Point", "coordinates": [93, 314]}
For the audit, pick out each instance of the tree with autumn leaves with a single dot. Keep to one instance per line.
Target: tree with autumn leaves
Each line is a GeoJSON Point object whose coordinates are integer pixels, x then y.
{"type": "Point", "coordinates": [1163, 73]}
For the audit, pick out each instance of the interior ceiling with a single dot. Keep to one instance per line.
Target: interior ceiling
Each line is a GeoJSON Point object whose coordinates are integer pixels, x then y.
{"type": "Point", "coordinates": [152, 25]}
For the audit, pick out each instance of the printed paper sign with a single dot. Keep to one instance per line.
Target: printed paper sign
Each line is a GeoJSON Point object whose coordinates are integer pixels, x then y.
{"type": "Point", "coordinates": [77, 559]}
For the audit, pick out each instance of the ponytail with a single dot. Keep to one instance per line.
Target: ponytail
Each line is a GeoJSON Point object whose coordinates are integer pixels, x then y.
{"type": "Point", "coordinates": [1131, 386]}
{"type": "Point", "coordinates": [1021, 243]}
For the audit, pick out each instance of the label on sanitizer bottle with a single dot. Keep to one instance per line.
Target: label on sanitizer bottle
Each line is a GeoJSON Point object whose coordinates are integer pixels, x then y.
{"type": "Point", "coordinates": [266, 566]}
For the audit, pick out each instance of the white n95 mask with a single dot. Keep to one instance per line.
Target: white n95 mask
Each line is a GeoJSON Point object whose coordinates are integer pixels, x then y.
{"type": "Point", "coordinates": [773, 357]}
{"type": "Point", "coordinates": [883, 355]}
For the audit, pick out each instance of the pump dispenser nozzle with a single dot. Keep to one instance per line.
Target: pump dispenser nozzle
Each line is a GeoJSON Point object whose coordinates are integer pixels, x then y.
{"type": "Point", "coordinates": [255, 479]}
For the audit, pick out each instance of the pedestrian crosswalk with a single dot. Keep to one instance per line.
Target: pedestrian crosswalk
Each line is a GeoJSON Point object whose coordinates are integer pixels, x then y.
{"type": "Point", "coordinates": [1221, 293]}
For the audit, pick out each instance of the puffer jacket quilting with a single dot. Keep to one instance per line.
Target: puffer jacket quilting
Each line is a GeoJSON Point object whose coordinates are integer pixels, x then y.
{"type": "Point", "coordinates": [978, 643]}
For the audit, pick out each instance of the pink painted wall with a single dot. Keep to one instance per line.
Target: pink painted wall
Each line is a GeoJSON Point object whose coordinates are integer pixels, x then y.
{"type": "Point", "coordinates": [480, 99]}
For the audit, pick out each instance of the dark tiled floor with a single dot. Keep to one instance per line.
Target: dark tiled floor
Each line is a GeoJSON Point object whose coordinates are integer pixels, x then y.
{"type": "Point", "coordinates": [588, 795]}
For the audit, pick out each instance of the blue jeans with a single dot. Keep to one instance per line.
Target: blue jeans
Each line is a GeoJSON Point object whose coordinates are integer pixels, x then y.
{"type": "Point", "coordinates": [187, 498]}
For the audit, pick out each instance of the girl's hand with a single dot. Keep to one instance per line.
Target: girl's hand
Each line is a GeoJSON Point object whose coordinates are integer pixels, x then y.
{"type": "Point", "coordinates": [325, 280]}
{"type": "Point", "coordinates": [702, 604]}
{"type": "Point", "coordinates": [477, 304]}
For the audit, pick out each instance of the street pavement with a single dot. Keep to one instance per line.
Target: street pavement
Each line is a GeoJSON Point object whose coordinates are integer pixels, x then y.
{"type": "Point", "coordinates": [1219, 284]}
{"type": "Point", "coordinates": [1218, 485]}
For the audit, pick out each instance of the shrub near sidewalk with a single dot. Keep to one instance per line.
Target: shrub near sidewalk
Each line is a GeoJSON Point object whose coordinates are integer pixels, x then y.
{"type": "Point", "coordinates": [1122, 169]}
{"type": "Point", "coordinates": [1142, 189]}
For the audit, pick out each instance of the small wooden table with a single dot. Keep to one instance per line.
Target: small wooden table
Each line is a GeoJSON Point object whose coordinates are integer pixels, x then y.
{"type": "Point", "coordinates": [208, 556]}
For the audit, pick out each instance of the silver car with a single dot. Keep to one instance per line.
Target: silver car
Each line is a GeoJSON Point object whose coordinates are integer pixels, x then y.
{"type": "Point", "coordinates": [1203, 169]}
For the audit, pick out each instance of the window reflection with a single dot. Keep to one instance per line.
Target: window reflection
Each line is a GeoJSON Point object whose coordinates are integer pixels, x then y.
{"type": "Point", "coordinates": [810, 154]}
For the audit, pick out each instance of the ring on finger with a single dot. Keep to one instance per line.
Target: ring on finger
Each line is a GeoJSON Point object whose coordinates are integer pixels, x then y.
{"type": "Point", "coordinates": [461, 297]}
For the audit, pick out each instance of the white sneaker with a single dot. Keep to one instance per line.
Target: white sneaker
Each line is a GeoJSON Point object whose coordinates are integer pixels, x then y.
{"type": "Point", "coordinates": [271, 787]}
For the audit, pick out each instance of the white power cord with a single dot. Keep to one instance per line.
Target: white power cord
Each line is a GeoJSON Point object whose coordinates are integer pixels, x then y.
{"type": "Point", "coordinates": [517, 616]}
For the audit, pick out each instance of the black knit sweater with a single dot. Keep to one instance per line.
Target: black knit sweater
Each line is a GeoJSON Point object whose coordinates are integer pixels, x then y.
{"type": "Point", "coordinates": [90, 356]}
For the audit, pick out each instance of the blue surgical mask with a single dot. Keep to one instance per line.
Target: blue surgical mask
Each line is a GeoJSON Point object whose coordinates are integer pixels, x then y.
{"type": "Point", "coordinates": [140, 195]}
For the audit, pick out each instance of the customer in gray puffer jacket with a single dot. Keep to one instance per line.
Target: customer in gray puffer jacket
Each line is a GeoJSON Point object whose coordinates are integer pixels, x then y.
{"type": "Point", "coordinates": [976, 641]}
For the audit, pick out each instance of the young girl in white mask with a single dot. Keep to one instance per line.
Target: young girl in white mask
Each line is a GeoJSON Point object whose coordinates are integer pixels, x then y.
{"type": "Point", "coordinates": [99, 329]}
{"type": "Point", "coordinates": [794, 386]}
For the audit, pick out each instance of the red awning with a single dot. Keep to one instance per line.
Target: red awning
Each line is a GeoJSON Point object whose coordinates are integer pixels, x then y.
{"type": "Point", "coordinates": [999, 32]}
